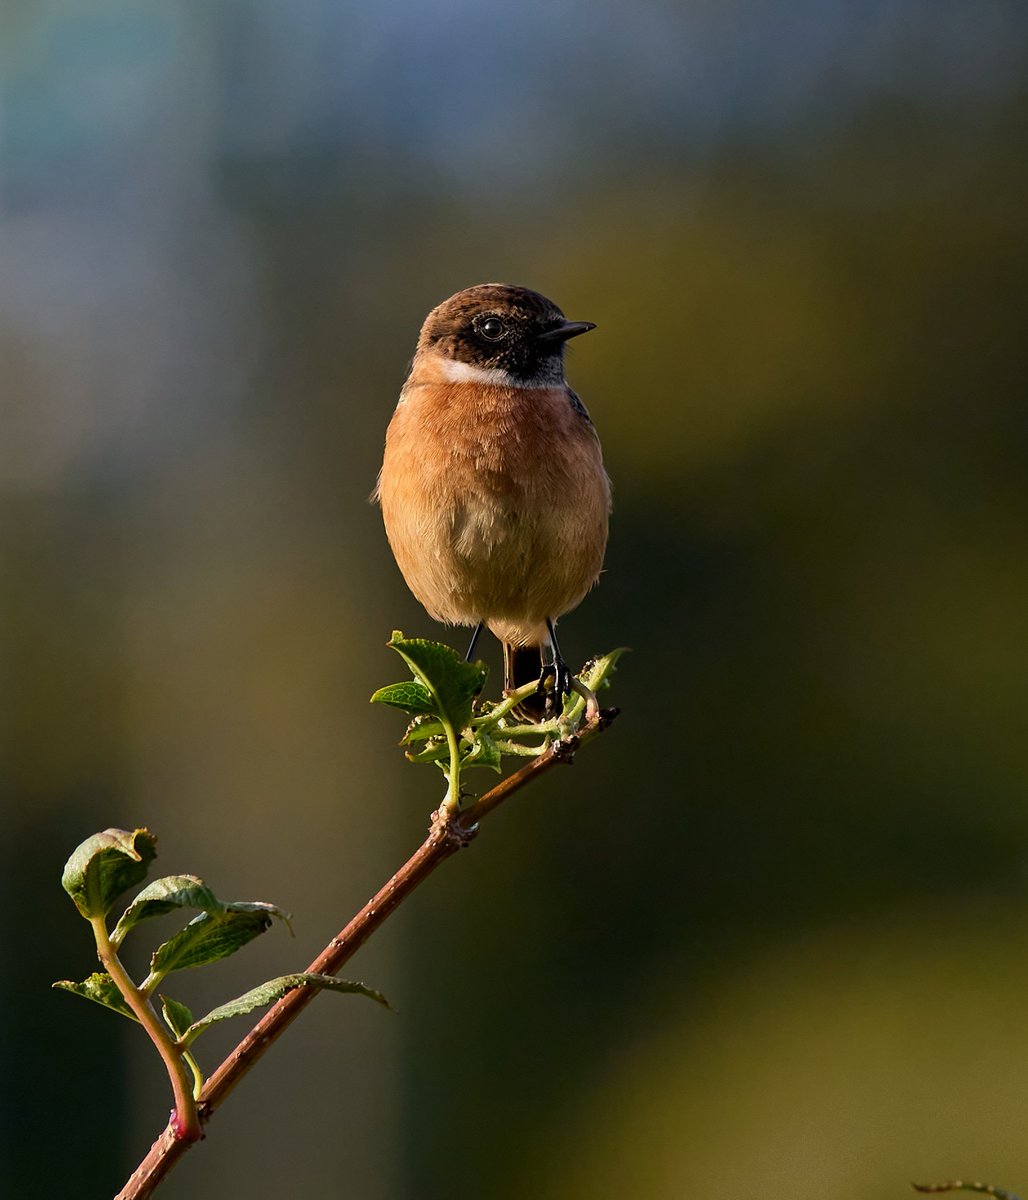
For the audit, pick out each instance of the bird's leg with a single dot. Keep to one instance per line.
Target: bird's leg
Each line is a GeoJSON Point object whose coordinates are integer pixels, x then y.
{"type": "Point", "coordinates": [474, 642]}
{"type": "Point", "coordinates": [546, 673]}
{"type": "Point", "coordinates": [561, 673]}
{"type": "Point", "coordinates": [563, 680]}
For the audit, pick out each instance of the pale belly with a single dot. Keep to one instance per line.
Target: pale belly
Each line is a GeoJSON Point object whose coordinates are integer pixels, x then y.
{"type": "Point", "coordinates": [510, 568]}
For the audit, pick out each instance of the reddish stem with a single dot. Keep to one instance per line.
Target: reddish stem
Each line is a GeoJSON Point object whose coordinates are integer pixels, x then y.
{"type": "Point", "coordinates": [445, 838]}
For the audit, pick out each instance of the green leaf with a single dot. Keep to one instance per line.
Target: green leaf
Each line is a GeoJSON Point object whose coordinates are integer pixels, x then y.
{"type": "Point", "coordinates": [210, 936]}
{"type": "Point", "coordinates": [177, 1016]}
{"type": "Point", "coordinates": [106, 865]}
{"type": "Point", "coordinates": [101, 989]}
{"type": "Point", "coordinates": [423, 729]}
{"type": "Point", "coordinates": [163, 896]}
{"type": "Point", "coordinates": [484, 753]}
{"type": "Point", "coordinates": [411, 696]}
{"type": "Point", "coordinates": [435, 752]}
{"type": "Point", "coordinates": [459, 729]}
{"type": "Point", "coordinates": [275, 989]}
{"type": "Point", "coordinates": [452, 682]}
{"type": "Point", "coordinates": [596, 673]}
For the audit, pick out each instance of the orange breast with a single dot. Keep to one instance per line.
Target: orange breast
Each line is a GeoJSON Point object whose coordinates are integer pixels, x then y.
{"type": "Point", "coordinates": [495, 503]}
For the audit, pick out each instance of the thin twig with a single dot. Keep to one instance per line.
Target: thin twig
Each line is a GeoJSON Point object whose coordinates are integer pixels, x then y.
{"type": "Point", "coordinates": [185, 1120]}
{"type": "Point", "coordinates": [445, 838]}
{"type": "Point", "coordinates": [960, 1185]}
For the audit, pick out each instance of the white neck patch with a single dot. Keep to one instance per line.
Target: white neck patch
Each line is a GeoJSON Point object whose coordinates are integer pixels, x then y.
{"type": "Point", "coordinates": [461, 372]}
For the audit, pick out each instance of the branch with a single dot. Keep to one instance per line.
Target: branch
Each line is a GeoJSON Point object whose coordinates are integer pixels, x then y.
{"type": "Point", "coordinates": [959, 1185]}
{"type": "Point", "coordinates": [185, 1119]}
{"type": "Point", "coordinates": [446, 836]}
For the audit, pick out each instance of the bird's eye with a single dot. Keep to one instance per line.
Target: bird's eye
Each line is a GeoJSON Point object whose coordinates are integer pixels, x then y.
{"type": "Point", "coordinates": [492, 328]}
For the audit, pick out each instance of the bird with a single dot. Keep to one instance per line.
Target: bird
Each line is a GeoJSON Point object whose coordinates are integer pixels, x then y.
{"type": "Point", "coordinates": [493, 491]}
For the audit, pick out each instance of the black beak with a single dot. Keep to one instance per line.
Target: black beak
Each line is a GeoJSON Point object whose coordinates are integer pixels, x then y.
{"type": "Point", "coordinates": [567, 329]}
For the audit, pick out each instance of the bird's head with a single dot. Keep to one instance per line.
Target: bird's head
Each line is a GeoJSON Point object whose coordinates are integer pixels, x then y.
{"type": "Point", "coordinates": [497, 330]}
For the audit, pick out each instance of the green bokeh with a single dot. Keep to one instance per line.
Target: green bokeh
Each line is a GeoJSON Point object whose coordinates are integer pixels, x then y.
{"type": "Point", "coordinates": [766, 938]}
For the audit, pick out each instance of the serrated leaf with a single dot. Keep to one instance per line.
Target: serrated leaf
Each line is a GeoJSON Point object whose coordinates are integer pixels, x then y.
{"type": "Point", "coordinates": [274, 990]}
{"type": "Point", "coordinates": [596, 674]}
{"type": "Point", "coordinates": [106, 865]}
{"type": "Point", "coordinates": [452, 682]}
{"type": "Point", "coordinates": [164, 896]}
{"type": "Point", "coordinates": [430, 752]}
{"type": "Point", "coordinates": [484, 753]}
{"type": "Point", "coordinates": [421, 729]}
{"type": "Point", "coordinates": [211, 936]}
{"type": "Point", "coordinates": [411, 696]}
{"type": "Point", "coordinates": [177, 1016]}
{"type": "Point", "coordinates": [101, 989]}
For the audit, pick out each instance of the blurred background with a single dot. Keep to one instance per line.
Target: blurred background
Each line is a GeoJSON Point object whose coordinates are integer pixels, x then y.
{"type": "Point", "coordinates": [767, 939]}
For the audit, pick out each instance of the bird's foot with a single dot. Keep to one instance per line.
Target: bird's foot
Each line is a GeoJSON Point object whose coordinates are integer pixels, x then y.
{"type": "Point", "coordinates": [563, 683]}
{"type": "Point", "coordinates": [556, 683]}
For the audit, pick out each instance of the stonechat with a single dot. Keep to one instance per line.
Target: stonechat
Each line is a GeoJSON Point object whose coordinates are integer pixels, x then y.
{"type": "Point", "coordinates": [493, 491]}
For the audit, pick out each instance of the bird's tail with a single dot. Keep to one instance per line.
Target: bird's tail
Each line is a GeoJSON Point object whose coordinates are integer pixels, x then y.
{"type": "Point", "coordinates": [521, 665]}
